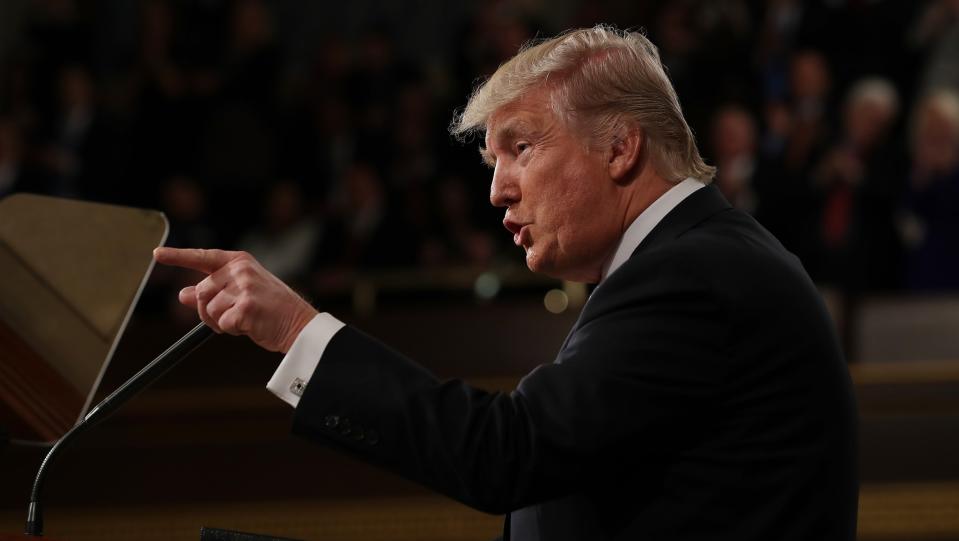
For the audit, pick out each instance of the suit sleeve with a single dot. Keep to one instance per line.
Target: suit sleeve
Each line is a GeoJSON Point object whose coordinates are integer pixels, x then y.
{"type": "Point", "coordinates": [630, 381]}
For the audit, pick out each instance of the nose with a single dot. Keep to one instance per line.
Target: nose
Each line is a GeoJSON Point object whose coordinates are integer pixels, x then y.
{"type": "Point", "coordinates": [504, 189]}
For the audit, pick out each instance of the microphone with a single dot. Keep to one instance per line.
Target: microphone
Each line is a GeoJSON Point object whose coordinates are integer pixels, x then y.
{"type": "Point", "coordinates": [140, 381]}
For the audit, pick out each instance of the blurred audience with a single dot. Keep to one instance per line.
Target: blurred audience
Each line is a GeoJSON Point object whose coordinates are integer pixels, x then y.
{"type": "Point", "coordinates": [462, 241]}
{"type": "Point", "coordinates": [72, 137]}
{"type": "Point", "coordinates": [797, 101]}
{"type": "Point", "coordinates": [734, 151]}
{"type": "Point", "coordinates": [286, 239]}
{"type": "Point", "coordinates": [14, 175]}
{"type": "Point", "coordinates": [931, 206]}
{"type": "Point", "coordinates": [184, 203]}
{"type": "Point", "coordinates": [798, 128]}
{"type": "Point", "coordinates": [369, 232]}
{"type": "Point", "coordinates": [937, 32]}
{"type": "Point", "coordinates": [857, 185]}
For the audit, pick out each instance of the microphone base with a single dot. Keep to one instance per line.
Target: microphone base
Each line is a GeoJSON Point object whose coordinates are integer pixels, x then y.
{"type": "Point", "coordinates": [34, 520]}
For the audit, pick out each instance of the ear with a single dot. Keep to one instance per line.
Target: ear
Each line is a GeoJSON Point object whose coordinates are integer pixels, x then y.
{"type": "Point", "coordinates": [624, 154]}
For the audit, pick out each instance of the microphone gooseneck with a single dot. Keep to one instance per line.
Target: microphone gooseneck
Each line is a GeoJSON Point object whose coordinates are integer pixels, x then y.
{"type": "Point", "coordinates": [140, 381]}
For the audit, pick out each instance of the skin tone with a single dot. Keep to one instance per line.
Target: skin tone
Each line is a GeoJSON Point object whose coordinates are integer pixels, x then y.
{"type": "Point", "coordinates": [567, 204]}
{"type": "Point", "coordinates": [240, 297]}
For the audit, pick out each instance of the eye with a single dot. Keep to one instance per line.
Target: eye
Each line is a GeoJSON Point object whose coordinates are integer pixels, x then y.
{"type": "Point", "coordinates": [521, 147]}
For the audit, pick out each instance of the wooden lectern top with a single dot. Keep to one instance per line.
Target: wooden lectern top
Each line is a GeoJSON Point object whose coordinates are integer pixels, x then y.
{"type": "Point", "coordinates": [71, 273]}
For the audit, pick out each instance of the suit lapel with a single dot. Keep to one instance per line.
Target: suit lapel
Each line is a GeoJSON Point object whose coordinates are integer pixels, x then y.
{"type": "Point", "coordinates": [697, 207]}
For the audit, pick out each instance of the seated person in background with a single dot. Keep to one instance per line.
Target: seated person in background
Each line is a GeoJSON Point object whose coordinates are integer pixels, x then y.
{"type": "Point", "coordinates": [930, 221]}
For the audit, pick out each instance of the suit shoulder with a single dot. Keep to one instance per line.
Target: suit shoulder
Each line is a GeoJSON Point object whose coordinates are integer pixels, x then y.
{"type": "Point", "coordinates": [733, 245]}
{"type": "Point", "coordinates": [728, 256]}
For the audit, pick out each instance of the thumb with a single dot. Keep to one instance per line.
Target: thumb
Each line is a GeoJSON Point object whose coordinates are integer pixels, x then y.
{"type": "Point", "coordinates": [188, 296]}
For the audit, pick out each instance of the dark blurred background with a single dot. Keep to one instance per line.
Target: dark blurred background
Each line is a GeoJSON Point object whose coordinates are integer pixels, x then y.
{"type": "Point", "coordinates": [314, 135]}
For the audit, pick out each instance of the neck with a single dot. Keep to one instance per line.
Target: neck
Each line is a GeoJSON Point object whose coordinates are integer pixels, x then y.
{"type": "Point", "coordinates": [647, 187]}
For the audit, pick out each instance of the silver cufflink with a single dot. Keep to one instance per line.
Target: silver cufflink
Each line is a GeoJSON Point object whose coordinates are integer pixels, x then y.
{"type": "Point", "coordinates": [297, 386]}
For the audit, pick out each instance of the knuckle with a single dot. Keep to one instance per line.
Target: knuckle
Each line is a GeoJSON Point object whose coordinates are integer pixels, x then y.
{"type": "Point", "coordinates": [244, 284]}
{"type": "Point", "coordinates": [205, 309]}
{"type": "Point", "coordinates": [243, 323]}
{"type": "Point", "coordinates": [227, 324]}
{"type": "Point", "coordinates": [243, 268]}
{"type": "Point", "coordinates": [244, 306]}
{"type": "Point", "coordinates": [204, 291]}
{"type": "Point", "coordinates": [244, 316]}
{"type": "Point", "coordinates": [216, 310]}
{"type": "Point", "coordinates": [205, 257]}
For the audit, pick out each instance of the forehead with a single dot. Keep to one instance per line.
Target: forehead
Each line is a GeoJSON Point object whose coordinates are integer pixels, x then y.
{"type": "Point", "coordinates": [530, 112]}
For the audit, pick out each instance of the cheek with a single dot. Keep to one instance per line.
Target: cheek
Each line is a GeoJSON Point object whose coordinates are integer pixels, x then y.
{"type": "Point", "coordinates": [563, 186]}
{"type": "Point", "coordinates": [577, 212]}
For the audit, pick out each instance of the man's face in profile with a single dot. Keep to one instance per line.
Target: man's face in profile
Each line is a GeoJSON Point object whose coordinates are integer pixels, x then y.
{"type": "Point", "coordinates": [558, 195]}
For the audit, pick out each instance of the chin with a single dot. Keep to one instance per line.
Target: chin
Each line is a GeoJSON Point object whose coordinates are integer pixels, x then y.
{"type": "Point", "coordinates": [533, 263]}
{"type": "Point", "coordinates": [557, 269]}
{"type": "Point", "coordinates": [537, 263]}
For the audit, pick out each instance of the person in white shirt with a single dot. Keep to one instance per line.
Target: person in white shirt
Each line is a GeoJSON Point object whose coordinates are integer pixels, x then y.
{"type": "Point", "coordinates": [700, 395]}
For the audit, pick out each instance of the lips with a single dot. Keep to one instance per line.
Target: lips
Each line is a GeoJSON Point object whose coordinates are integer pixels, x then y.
{"type": "Point", "coordinates": [518, 238]}
{"type": "Point", "coordinates": [519, 230]}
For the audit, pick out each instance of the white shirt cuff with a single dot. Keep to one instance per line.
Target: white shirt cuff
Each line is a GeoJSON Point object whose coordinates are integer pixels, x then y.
{"type": "Point", "coordinates": [294, 372]}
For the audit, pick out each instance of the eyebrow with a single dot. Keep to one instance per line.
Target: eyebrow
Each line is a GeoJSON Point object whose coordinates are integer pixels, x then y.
{"type": "Point", "coordinates": [488, 157]}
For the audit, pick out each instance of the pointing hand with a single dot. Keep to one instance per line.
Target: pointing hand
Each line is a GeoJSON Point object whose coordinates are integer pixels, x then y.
{"type": "Point", "coordinates": [240, 297]}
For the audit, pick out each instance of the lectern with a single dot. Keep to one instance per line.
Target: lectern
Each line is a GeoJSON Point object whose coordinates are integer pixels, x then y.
{"type": "Point", "coordinates": [70, 275]}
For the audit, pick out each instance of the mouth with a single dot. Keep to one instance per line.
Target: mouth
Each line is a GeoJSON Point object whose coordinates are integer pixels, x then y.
{"type": "Point", "coordinates": [520, 231]}
{"type": "Point", "coordinates": [521, 238]}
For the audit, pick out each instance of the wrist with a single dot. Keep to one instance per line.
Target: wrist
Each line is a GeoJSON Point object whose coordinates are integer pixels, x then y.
{"type": "Point", "coordinates": [303, 319]}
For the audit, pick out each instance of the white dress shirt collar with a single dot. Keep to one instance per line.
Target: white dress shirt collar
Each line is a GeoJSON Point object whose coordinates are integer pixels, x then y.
{"type": "Point", "coordinates": [646, 221]}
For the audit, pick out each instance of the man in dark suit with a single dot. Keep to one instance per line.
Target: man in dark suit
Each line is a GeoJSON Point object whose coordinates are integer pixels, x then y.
{"type": "Point", "coordinates": [700, 395]}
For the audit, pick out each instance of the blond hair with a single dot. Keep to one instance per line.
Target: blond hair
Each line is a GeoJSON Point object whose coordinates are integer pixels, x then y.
{"type": "Point", "coordinates": [603, 80]}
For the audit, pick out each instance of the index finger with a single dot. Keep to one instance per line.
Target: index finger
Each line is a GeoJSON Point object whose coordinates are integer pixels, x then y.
{"type": "Point", "coordinates": [207, 261]}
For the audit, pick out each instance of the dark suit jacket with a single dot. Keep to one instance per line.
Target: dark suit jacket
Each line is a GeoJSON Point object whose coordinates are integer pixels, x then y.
{"type": "Point", "coordinates": [701, 395]}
